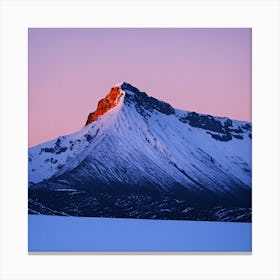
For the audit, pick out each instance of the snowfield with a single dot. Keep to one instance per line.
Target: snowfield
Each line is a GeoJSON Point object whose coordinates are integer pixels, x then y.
{"type": "Point", "coordinates": [78, 234]}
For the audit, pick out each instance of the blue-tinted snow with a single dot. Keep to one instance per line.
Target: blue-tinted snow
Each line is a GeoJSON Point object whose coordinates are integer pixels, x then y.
{"type": "Point", "coordinates": [160, 144]}
{"type": "Point", "coordinates": [61, 234]}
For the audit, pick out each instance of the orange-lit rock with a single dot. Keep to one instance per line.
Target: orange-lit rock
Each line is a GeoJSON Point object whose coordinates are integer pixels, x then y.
{"type": "Point", "coordinates": [105, 104]}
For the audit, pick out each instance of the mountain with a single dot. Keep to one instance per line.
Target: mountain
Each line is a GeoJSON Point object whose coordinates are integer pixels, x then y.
{"type": "Point", "coordinates": [139, 157]}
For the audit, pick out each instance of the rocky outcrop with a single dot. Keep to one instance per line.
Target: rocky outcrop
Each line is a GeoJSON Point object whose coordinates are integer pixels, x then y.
{"type": "Point", "coordinates": [222, 131]}
{"type": "Point", "coordinates": [144, 103]}
{"type": "Point", "coordinates": [105, 104]}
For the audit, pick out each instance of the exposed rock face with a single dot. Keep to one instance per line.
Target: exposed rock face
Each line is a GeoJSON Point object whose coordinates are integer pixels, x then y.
{"type": "Point", "coordinates": [222, 131]}
{"type": "Point", "coordinates": [144, 102]}
{"type": "Point", "coordinates": [105, 104]}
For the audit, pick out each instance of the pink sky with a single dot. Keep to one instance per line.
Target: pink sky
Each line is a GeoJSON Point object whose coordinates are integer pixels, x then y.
{"type": "Point", "coordinates": [70, 70]}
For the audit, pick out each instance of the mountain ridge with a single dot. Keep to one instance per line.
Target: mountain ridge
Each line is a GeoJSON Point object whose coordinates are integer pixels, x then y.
{"type": "Point", "coordinates": [144, 146]}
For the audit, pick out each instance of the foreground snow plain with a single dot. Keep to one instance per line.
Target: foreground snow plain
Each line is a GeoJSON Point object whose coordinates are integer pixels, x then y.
{"type": "Point", "coordinates": [81, 234]}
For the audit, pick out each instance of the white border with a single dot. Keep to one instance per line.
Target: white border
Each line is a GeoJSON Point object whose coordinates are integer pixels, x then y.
{"type": "Point", "coordinates": [262, 16]}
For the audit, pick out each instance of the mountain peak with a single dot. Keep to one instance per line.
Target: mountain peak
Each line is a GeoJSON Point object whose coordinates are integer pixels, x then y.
{"type": "Point", "coordinates": [105, 104]}
{"type": "Point", "coordinates": [143, 103]}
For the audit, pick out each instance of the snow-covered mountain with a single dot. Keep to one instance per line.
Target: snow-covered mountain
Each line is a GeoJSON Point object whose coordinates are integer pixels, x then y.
{"type": "Point", "coordinates": [134, 144]}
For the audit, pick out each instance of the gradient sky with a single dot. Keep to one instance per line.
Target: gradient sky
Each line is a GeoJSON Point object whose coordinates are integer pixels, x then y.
{"type": "Point", "coordinates": [194, 69]}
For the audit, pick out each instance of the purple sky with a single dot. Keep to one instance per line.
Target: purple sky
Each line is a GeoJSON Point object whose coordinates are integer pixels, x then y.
{"type": "Point", "coordinates": [69, 70]}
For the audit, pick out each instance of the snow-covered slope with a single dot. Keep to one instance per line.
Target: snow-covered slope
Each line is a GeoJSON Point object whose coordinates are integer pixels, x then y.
{"type": "Point", "coordinates": [143, 144]}
{"type": "Point", "coordinates": [48, 158]}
